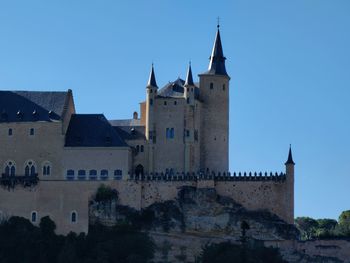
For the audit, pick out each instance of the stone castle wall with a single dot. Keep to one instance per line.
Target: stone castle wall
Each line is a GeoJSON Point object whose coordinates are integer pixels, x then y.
{"type": "Point", "coordinates": [60, 198]}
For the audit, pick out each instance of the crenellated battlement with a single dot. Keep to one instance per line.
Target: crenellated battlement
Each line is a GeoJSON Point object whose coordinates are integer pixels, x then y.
{"type": "Point", "coordinates": [220, 176]}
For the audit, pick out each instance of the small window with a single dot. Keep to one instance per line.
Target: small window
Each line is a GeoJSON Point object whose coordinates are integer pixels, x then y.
{"type": "Point", "coordinates": [93, 174]}
{"type": "Point", "coordinates": [81, 175]}
{"type": "Point", "coordinates": [141, 148]}
{"type": "Point", "coordinates": [175, 102]}
{"type": "Point", "coordinates": [188, 100]}
{"type": "Point", "coordinates": [46, 170]}
{"type": "Point", "coordinates": [187, 133]}
{"type": "Point", "coordinates": [10, 168]}
{"type": "Point", "coordinates": [151, 91]}
{"type": "Point", "coordinates": [165, 103]}
{"type": "Point", "coordinates": [137, 148]}
{"type": "Point", "coordinates": [211, 85]}
{"type": "Point", "coordinates": [104, 174]}
{"type": "Point", "coordinates": [70, 175]}
{"type": "Point", "coordinates": [31, 131]}
{"type": "Point", "coordinates": [33, 217]}
{"type": "Point", "coordinates": [151, 101]}
{"type": "Point", "coordinates": [172, 133]}
{"type": "Point", "coordinates": [118, 174]}
{"type": "Point", "coordinates": [223, 87]}
{"type": "Point", "coordinates": [73, 217]}
{"type": "Point", "coordinates": [10, 132]}
{"type": "Point", "coordinates": [188, 89]}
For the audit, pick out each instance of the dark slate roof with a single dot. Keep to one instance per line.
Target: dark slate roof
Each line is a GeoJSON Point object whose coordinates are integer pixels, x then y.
{"type": "Point", "coordinates": [152, 79]}
{"type": "Point", "coordinates": [25, 106]}
{"type": "Point", "coordinates": [290, 157]}
{"type": "Point", "coordinates": [131, 132]}
{"type": "Point", "coordinates": [217, 58]}
{"type": "Point", "coordinates": [189, 78]}
{"type": "Point", "coordinates": [92, 130]}
{"type": "Point", "coordinates": [175, 89]}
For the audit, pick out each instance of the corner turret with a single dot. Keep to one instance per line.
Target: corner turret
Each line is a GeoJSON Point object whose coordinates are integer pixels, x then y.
{"type": "Point", "coordinates": [290, 186]}
{"type": "Point", "coordinates": [189, 87]}
{"type": "Point", "coordinates": [217, 58]}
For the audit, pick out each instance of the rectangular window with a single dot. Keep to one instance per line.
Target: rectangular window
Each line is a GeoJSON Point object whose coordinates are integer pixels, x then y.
{"type": "Point", "coordinates": [31, 131]}
{"type": "Point", "coordinates": [10, 132]}
{"type": "Point", "coordinates": [187, 133]}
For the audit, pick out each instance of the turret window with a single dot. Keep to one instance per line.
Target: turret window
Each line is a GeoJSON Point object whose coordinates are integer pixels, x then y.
{"type": "Point", "coordinates": [10, 132]}
{"type": "Point", "coordinates": [31, 131]}
{"type": "Point", "coordinates": [188, 100]}
{"type": "Point", "coordinates": [223, 87]}
{"type": "Point", "coordinates": [175, 102]}
{"type": "Point", "coordinates": [151, 101]}
{"type": "Point", "coordinates": [73, 217]}
{"type": "Point", "coordinates": [211, 85]}
{"type": "Point", "coordinates": [165, 103]}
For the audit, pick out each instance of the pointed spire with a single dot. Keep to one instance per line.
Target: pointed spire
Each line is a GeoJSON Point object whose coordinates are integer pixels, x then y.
{"type": "Point", "coordinates": [189, 78]}
{"type": "Point", "coordinates": [152, 79]}
{"type": "Point", "coordinates": [290, 156]}
{"type": "Point", "coordinates": [217, 59]}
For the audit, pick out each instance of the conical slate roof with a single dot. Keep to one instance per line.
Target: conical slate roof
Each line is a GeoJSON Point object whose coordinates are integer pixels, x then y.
{"type": "Point", "coordinates": [152, 79]}
{"type": "Point", "coordinates": [217, 59]}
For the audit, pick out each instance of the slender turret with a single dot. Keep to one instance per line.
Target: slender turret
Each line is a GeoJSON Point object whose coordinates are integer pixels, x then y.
{"type": "Point", "coordinates": [214, 95]}
{"type": "Point", "coordinates": [290, 186]}
{"type": "Point", "coordinates": [151, 93]}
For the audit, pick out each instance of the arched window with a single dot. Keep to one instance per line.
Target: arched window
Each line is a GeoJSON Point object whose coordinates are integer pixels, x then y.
{"type": "Point", "coordinates": [33, 217]}
{"type": "Point", "coordinates": [73, 217]}
{"type": "Point", "coordinates": [10, 168]}
{"type": "Point", "coordinates": [104, 174]}
{"type": "Point", "coordinates": [29, 168]}
{"type": "Point", "coordinates": [93, 174]}
{"type": "Point", "coordinates": [70, 175]}
{"type": "Point", "coordinates": [46, 168]}
{"type": "Point", "coordinates": [81, 175]}
{"type": "Point", "coordinates": [211, 85]}
{"type": "Point", "coordinates": [118, 174]}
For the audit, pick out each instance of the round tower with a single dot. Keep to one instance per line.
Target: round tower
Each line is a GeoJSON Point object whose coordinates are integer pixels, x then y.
{"type": "Point", "coordinates": [214, 95]}
{"type": "Point", "coordinates": [151, 93]}
{"type": "Point", "coordinates": [290, 187]}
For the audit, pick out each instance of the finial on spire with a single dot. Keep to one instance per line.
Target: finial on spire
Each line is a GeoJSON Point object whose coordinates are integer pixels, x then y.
{"type": "Point", "coordinates": [218, 24]}
{"type": "Point", "coordinates": [217, 59]}
{"type": "Point", "coordinates": [189, 78]}
{"type": "Point", "coordinates": [290, 156]}
{"type": "Point", "coordinates": [152, 79]}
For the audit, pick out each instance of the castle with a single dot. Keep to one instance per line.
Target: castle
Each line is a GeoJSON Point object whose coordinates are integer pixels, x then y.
{"type": "Point", "coordinates": [53, 159]}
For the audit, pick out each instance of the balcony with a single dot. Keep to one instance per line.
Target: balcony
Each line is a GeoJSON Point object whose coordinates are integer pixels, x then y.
{"type": "Point", "coordinates": [11, 181]}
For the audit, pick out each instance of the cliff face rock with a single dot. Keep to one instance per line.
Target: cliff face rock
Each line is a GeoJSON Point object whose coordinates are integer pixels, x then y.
{"type": "Point", "coordinates": [201, 212]}
{"type": "Point", "coordinates": [180, 228]}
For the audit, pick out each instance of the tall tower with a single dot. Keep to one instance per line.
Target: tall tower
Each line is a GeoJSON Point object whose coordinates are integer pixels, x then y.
{"type": "Point", "coordinates": [214, 94]}
{"type": "Point", "coordinates": [289, 202]}
{"type": "Point", "coordinates": [189, 122]}
{"type": "Point", "coordinates": [151, 93]}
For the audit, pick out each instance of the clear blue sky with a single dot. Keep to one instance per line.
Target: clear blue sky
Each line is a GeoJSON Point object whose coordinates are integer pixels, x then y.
{"type": "Point", "coordinates": [289, 63]}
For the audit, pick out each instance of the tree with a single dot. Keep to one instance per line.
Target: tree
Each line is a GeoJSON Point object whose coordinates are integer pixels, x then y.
{"type": "Point", "coordinates": [228, 252]}
{"type": "Point", "coordinates": [307, 227]}
{"type": "Point", "coordinates": [344, 223]}
{"type": "Point", "coordinates": [106, 194]}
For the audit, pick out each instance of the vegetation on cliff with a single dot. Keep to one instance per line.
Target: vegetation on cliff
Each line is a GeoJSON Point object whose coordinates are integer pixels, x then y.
{"type": "Point", "coordinates": [228, 252]}
{"type": "Point", "coordinates": [20, 241]}
{"type": "Point", "coordinates": [324, 228]}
